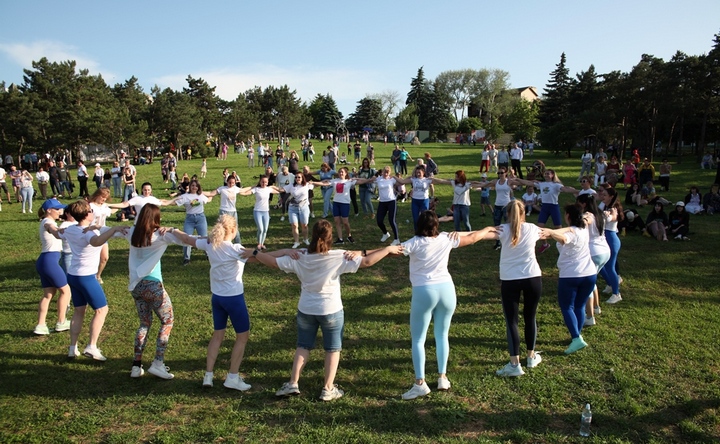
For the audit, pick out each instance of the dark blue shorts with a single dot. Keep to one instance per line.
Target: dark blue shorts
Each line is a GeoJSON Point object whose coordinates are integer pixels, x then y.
{"type": "Point", "coordinates": [50, 271]}
{"type": "Point", "coordinates": [233, 307]}
{"type": "Point", "coordinates": [341, 209]}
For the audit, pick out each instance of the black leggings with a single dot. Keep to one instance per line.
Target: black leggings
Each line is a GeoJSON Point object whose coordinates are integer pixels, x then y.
{"type": "Point", "coordinates": [531, 288]}
{"type": "Point", "coordinates": [390, 209]}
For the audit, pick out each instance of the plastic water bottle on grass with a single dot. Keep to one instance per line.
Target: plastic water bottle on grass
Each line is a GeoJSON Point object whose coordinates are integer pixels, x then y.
{"type": "Point", "coordinates": [585, 420]}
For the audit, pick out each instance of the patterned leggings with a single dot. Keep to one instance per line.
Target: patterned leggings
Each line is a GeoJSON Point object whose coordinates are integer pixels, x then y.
{"type": "Point", "coordinates": [150, 296]}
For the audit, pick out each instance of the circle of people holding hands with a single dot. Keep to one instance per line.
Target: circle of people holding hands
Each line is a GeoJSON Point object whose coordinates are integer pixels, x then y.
{"type": "Point", "coordinates": [586, 233]}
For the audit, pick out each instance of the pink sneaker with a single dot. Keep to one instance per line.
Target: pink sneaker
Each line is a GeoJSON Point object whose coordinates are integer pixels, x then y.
{"type": "Point", "coordinates": [543, 247]}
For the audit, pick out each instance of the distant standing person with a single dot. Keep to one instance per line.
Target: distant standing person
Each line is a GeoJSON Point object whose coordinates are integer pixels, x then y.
{"type": "Point", "coordinates": [228, 198]}
{"type": "Point", "coordinates": [516, 157]}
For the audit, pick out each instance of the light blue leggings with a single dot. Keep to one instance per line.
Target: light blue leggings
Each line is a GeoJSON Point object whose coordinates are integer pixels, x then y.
{"type": "Point", "coordinates": [262, 221]}
{"type": "Point", "coordinates": [431, 302]}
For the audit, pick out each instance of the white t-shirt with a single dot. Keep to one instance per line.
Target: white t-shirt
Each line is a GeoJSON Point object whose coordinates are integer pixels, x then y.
{"type": "Point", "coordinates": [299, 195]}
{"type": "Point", "coordinates": [588, 191]}
{"type": "Point", "coordinates": [319, 276]}
{"type": "Point", "coordinates": [82, 171]}
{"type": "Point", "coordinates": [503, 193]}
{"type": "Point", "coordinates": [461, 193]}
{"type": "Point", "coordinates": [228, 195]}
{"type": "Point", "coordinates": [283, 180]}
{"type": "Point", "coordinates": [193, 203]}
{"type": "Point", "coordinates": [42, 177]}
{"type": "Point", "coordinates": [145, 261]}
{"type": "Point", "coordinates": [65, 246]}
{"type": "Point", "coordinates": [226, 267]}
{"type": "Point", "coordinates": [598, 244]}
{"type": "Point", "coordinates": [429, 258]}
{"type": "Point", "coordinates": [529, 198]}
{"type": "Point", "coordinates": [342, 189]}
{"type": "Point", "coordinates": [519, 262]}
{"type": "Point", "coordinates": [100, 214]}
{"type": "Point", "coordinates": [421, 188]}
{"type": "Point", "coordinates": [549, 192]}
{"type": "Point", "coordinates": [610, 225]}
{"type": "Point", "coordinates": [386, 188]}
{"type": "Point", "coordinates": [2, 175]}
{"type": "Point", "coordinates": [48, 242]}
{"type": "Point", "coordinates": [85, 257]}
{"type": "Point", "coordinates": [140, 201]}
{"type": "Point", "coordinates": [574, 260]}
{"type": "Point", "coordinates": [262, 198]}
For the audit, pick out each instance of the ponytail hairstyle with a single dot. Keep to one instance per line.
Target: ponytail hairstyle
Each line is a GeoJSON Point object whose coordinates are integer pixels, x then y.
{"type": "Point", "coordinates": [225, 224]}
{"type": "Point", "coordinates": [322, 237]}
{"type": "Point", "coordinates": [614, 203]}
{"type": "Point", "coordinates": [147, 222]}
{"type": "Point", "coordinates": [591, 207]}
{"type": "Point", "coordinates": [516, 217]}
{"type": "Point", "coordinates": [574, 212]}
{"type": "Point", "coordinates": [460, 175]}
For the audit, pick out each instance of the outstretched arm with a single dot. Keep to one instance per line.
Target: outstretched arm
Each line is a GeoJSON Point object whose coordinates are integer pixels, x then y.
{"type": "Point", "coordinates": [557, 235]}
{"type": "Point", "coordinates": [437, 181]}
{"type": "Point", "coordinates": [372, 257]}
{"type": "Point", "coordinates": [101, 238]}
{"type": "Point", "coordinates": [470, 237]}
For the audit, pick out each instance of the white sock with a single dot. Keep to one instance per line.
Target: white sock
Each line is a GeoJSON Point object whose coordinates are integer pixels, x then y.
{"type": "Point", "coordinates": [232, 376]}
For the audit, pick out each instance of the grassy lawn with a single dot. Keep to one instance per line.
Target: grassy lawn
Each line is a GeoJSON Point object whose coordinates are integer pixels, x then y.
{"type": "Point", "coordinates": [649, 371]}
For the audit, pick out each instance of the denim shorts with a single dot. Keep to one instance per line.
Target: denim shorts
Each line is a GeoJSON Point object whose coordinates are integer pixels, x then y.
{"type": "Point", "coordinates": [298, 214]}
{"type": "Point", "coordinates": [332, 327]}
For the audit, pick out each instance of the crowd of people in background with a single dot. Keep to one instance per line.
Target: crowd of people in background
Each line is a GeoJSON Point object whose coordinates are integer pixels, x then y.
{"type": "Point", "coordinates": [74, 254]}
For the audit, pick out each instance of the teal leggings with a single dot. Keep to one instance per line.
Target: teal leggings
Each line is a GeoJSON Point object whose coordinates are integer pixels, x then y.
{"type": "Point", "coordinates": [431, 302]}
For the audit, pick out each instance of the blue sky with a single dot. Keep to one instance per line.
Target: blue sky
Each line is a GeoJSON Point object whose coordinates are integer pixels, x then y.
{"type": "Point", "coordinates": [346, 49]}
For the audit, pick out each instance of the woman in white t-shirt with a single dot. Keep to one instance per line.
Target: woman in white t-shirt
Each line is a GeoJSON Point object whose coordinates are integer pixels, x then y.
{"type": "Point", "coordinates": [148, 241]}
{"type": "Point", "coordinates": [101, 211]}
{"type": "Point", "coordinates": [599, 249]}
{"type": "Point", "coordinates": [139, 201]}
{"type": "Point", "coordinates": [461, 199]}
{"type": "Point", "coordinates": [52, 276]}
{"type": "Point", "coordinates": [82, 276]}
{"type": "Point", "coordinates": [577, 273]}
{"type": "Point", "coordinates": [298, 203]}
{"type": "Point", "coordinates": [228, 198]}
{"type": "Point", "coordinates": [228, 297]}
{"type": "Point", "coordinates": [420, 193]}
{"type": "Point", "coordinates": [261, 210]}
{"type": "Point", "coordinates": [342, 186]}
{"type": "Point", "coordinates": [320, 303]}
{"type": "Point", "coordinates": [519, 275]}
{"type": "Point", "coordinates": [195, 221]}
{"type": "Point", "coordinates": [388, 205]}
{"type": "Point", "coordinates": [504, 188]}
{"type": "Point", "coordinates": [433, 294]}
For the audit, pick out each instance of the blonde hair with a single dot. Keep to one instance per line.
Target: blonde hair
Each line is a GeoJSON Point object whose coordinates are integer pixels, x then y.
{"type": "Point", "coordinates": [224, 225]}
{"type": "Point", "coordinates": [515, 217]}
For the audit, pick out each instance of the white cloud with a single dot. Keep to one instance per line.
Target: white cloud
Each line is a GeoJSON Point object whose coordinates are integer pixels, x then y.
{"type": "Point", "coordinates": [346, 86]}
{"type": "Point", "coordinates": [25, 53]}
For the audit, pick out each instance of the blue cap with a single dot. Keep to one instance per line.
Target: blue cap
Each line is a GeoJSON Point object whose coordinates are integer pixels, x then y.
{"type": "Point", "coordinates": [52, 204]}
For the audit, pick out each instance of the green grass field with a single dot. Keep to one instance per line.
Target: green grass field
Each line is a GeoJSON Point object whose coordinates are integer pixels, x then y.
{"type": "Point", "coordinates": [649, 372]}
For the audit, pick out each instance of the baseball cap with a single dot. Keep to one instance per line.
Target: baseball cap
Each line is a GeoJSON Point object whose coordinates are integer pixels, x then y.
{"type": "Point", "coordinates": [52, 204]}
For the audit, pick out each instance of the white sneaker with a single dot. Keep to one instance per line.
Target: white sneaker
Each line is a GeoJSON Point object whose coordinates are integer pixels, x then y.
{"type": "Point", "coordinates": [62, 326]}
{"type": "Point", "coordinates": [236, 384]}
{"type": "Point", "coordinates": [73, 352]}
{"type": "Point", "coordinates": [597, 310]}
{"type": "Point", "coordinates": [620, 279]}
{"type": "Point", "coordinates": [329, 395]}
{"type": "Point", "coordinates": [614, 299]}
{"type": "Point", "coordinates": [208, 380]}
{"type": "Point", "coordinates": [159, 369]}
{"type": "Point", "coordinates": [307, 241]}
{"type": "Point", "coordinates": [296, 244]}
{"type": "Point", "coordinates": [288, 389]}
{"type": "Point", "coordinates": [607, 290]}
{"type": "Point", "coordinates": [589, 322]}
{"type": "Point", "coordinates": [533, 361]}
{"type": "Point", "coordinates": [137, 371]}
{"type": "Point", "coordinates": [41, 330]}
{"type": "Point", "coordinates": [416, 391]}
{"type": "Point", "coordinates": [443, 384]}
{"type": "Point", "coordinates": [509, 370]}
{"type": "Point", "coordinates": [385, 237]}
{"type": "Point", "coordinates": [395, 242]}
{"type": "Point", "coordinates": [94, 353]}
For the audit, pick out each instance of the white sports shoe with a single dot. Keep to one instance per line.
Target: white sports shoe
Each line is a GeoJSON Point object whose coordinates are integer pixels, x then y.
{"type": "Point", "coordinates": [395, 242]}
{"type": "Point", "coordinates": [137, 371]}
{"type": "Point", "coordinates": [237, 384]}
{"type": "Point", "coordinates": [443, 384]}
{"type": "Point", "coordinates": [614, 299]}
{"type": "Point", "coordinates": [607, 290]}
{"type": "Point", "coordinates": [534, 361]}
{"type": "Point", "coordinates": [208, 380]}
{"type": "Point", "coordinates": [509, 370]}
{"type": "Point", "coordinates": [159, 369]}
{"type": "Point", "coordinates": [296, 244]}
{"type": "Point", "coordinates": [385, 237]}
{"type": "Point", "coordinates": [416, 391]}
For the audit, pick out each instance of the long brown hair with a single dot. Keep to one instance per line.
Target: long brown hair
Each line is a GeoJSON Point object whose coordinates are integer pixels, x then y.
{"type": "Point", "coordinates": [147, 222]}
{"type": "Point", "coordinates": [515, 217]}
{"type": "Point", "coordinates": [100, 192]}
{"type": "Point", "coordinates": [322, 237]}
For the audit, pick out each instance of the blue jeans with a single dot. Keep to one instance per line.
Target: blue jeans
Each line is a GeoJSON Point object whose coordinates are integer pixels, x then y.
{"type": "Point", "coordinates": [332, 327]}
{"type": "Point", "coordinates": [116, 181]}
{"type": "Point", "coordinates": [366, 200]}
{"type": "Point", "coordinates": [262, 221]}
{"type": "Point", "coordinates": [461, 217]}
{"type": "Point", "coordinates": [194, 222]}
{"type": "Point", "coordinates": [417, 207]}
{"type": "Point", "coordinates": [127, 194]}
{"type": "Point", "coordinates": [233, 214]}
{"type": "Point", "coordinates": [327, 202]}
{"type": "Point", "coordinates": [573, 294]}
{"type": "Point", "coordinates": [27, 194]}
